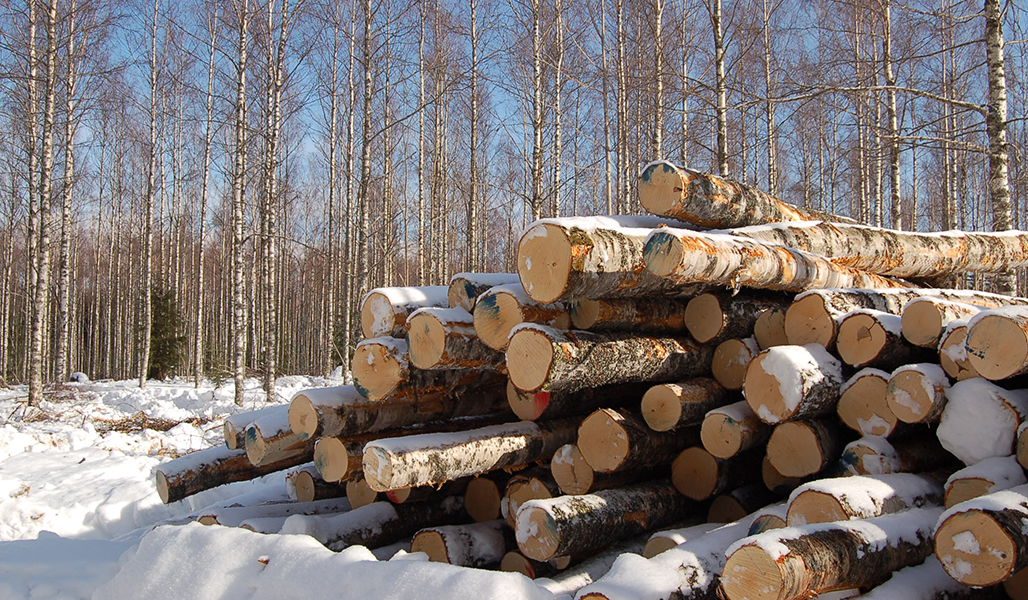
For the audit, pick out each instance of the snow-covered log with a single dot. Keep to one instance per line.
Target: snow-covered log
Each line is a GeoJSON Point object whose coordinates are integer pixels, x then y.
{"type": "Point", "coordinates": [382, 370]}
{"type": "Point", "coordinates": [802, 448]}
{"type": "Point", "coordinates": [700, 476]}
{"type": "Point", "coordinates": [711, 201]}
{"type": "Point", "coordinates": [731, 429]}
{"type": "Point", "coordinates": [445, 338]}
{"type": "Point", "coordinates": [376, 524]}
{"type": "Point", "coordinates": [234, 516]}
{"type": "Point", "coordinates": [667, 539]}
{"type": "Point", "coordinates": [234, 428]}
{"type": "Point", "coordinates": [475, 545]}
{"type": "Point", "coordinates": [731, 261]}
{"type": "Point", "coordinates": [981, 420]}
{"type": "Point", "coordinates": [465, 288]}
{"type": "Point", "coordinates": [917, 393]}
{"type": "Point", "coordinates": [863, 404]}
{"type": "Point", "coordinates": [872, 455]}
{"type": "Point", "coordinates": [269, 439]}
{"type": "Point", "coordinates": [768, 518]}
{"type": "Point", "coordinates": [617, 440]}
{"type": "Point", "coordinates": [532, 406]}
{"type": "Point", "coordinates": [785, 383]}
{"type": "Point", "coordinates": [310, 487]}
{"type": "Point", "coordinates": [990, 475]}
{"type": "Point", "coordinates": [873, 338]}
{"type": "Point", "coordinates": [997, 342]}
{"type": "Point", "coordinates": [574, 475]}
{"type": "Point", "coordinates": [342, 411]}
{"type": "Point", "coordinates": [535, 483]}
{"type": "Point", "coordinates": [501, 308]}
{"type": "Point", "coordinates": [384, 310]}
{"type": "Point", "coordinates": [803, 561]}
{"type": "Point", "coordinates": [982, 542]}
{"type": "Point", "coordinates": [928, 581]}
{"type": "Point", "coordinates": [769, 329]}
{"type": "Point", "coordinates": [717, 316]}
{"type": "Point", "coordinates": [589, 257]}
{"type": "Point", "coordinates": [666, 406]}
{"type": "Point", "coordinates": [570, 580]}
{"type": "Point", "coordinates": [953, 351]}
{"type": "Point", "coordinates": [641, 315]}
{"type": "Point", "coordinates": [569, 525]}
{"type": "Point", "coordinates": [689, 571]}
{"type": "Point", "coordinates": [861, 497]}
{"type": "Point", "coordinates": [438, 457]}
{"type": "Point", "coordinates": [730, 361]}
{"type": "Point", "coordinates": [924, 319]}
{"type": "Point", "coordinates": [516, 562]}
{"type": "Point", "coordinates": [206, 469]}
{"type": "Point", "coordinates": [543, 358]}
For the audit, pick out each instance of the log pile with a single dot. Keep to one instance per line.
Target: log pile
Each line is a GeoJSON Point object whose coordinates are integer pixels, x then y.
{"type": "Point", "coordinates": [698, 386]}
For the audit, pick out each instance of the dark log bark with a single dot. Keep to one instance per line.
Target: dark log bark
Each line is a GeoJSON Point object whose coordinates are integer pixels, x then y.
{"type": "Point", "coordinates": [310, 487]}
{"type": "Point", "coordinates": [667, 406]}
{"type": "Point", "coordinates": [641, 315]}
{"type": "Point", "coordinates": [714, 317]}
{"type": "Point", "coordinates": [533, 406]}
{"type": "Point", "coordinates": [206, 469]}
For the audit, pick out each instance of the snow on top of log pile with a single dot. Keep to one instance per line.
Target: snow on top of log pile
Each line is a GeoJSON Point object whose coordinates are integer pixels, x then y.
{"type": "Point", "coordinates": [933, 373]}
{"type": "Point", "coordinates": [641, 223]}
{"type": "Point", "coordinates": [490, 279]}
{"type": "Point", "coordinates": [450, 315]}
{"type": "Point", "coordinates": [394, 345]}
{"type": "Point", "coordinates": [926, 581]}
{"type": "Point", "coordinates": [786, 365]}
{"type": "Point", "coordinates": [890, 322]}
{"type": "Point", "coordinates": [1016, 498]}
{"type": "Point", "coordinates": [865, 494]}
{"type": "Point", "coordinates": [436, 294]}
{"type": "Point", "coordinates": [1002, 471]}
{"type": "Point", "coordinates": [981, 420]}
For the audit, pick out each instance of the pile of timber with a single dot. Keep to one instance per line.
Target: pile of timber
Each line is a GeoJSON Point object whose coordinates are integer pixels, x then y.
{"type": "Point", "coordinates": [731, 397]}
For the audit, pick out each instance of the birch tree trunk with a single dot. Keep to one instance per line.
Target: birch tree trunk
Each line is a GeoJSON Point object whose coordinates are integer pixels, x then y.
{"type": "Point", "coordinates": [996, 127]}
{"type": "Point", "coordinates": [239, 301]}
{"type": "Point", "coordinates": [64, 281]}
{"type": "Point", "coordinates": [208, 140]}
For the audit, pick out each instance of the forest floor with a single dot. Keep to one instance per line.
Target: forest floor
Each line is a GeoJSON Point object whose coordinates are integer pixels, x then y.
{"type": "Point", "coordinates": [80, 516]}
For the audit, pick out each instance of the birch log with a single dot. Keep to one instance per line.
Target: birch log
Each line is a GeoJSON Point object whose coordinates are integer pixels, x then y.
{"type": "Point", "coordinates": [572, 524]}
{"type": "Point", "coordinates": [730, 361]}
{"type": "Point", "coordinates": [990, 475]}
{"type": "Point", "coordinates": [861, 497]}
{"type": "Point", "coordinates": [483, 497]}
{"type": "Point", "coordinates": [731, 429]}
{"type": "Point", "coordinates": [535, 483]}
{"type": "Point", "coordinates": [714, 317]}
{"type": "Point", "coordinates": [617, 440]}
{"type": "Point", "coordinates": [382, 370]}
{"type": "Point", "coordinates": [785, 383]}
{"type": "Point", "coordinates": [873, 338]}
{"type": "Point", "coordinates": [532, 406]}
{"type": "Point", "coordinates": [769, 329]}
{"type": "Point", "coordinates": [731, 262]}
{"type": "Point", "coordinates": [669, 538]}
{"type": "Point", "coordinates": [997, 342]}
{"type": "Point", "coordinates": [588, 257]}
{"type": "Point", "coordinates": [574, 475]}
{"type": "Point", "coordinates": [871, 455]}
{"type": "Point", "coordinates": [981, 420]}
{"type": "Point", "coordinates": [735, 505]}
{"type": "Point", "coordinates": [234, 429]}
{"type": "Point", "coordinates": [781, 485]}
{"type": "Point", "coordinates": [666, 406]}
{"type": "Point", "coordinates": [310, 487]}
{"type": "Point", "coordinates": [953, 354]}
{"type": "Point", "coordinates": [544, 359]}
{"type": "Point", "coordinates": [815, 558]}
{"type": "Point", "coordinates": [359, 493]}
{"type": "Point", "coordinates": [917, 393]}
{"type": "Point", "coordinates": [925, 319]}
{"type": "Point", "coordinates": [465, 288]}
{"type": "Point", "coordinates": [438, 457]}
{"type": "Point", "coordinates": [501, 308]}
{"type": "Point", "coordinates": [384, 311]}
{"type": "Point", "coordinates": [642, 315]}
{"type": "Point", "coordinates": [445, 338]}
{"type": "Point", "coordinates": [700, 476]}
{"type": "Point", "coordinates": [476, 545]}
{"type": "Point", "coordinates": [711, 201]}
{"type": "Point", "coordinates": [863, 404]}
{"type": "Point", "coordinates": [271, 440]}
{"type": "Point", "coordinates": [206, 469]}
{"type": "Point", "coordinates": [802, 448]}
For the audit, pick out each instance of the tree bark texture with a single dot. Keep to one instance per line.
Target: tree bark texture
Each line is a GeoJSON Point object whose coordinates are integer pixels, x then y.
{"type": "Point", "coordinates": [384, 311]}
{"type": "Point", "coordinates": [206, 469]}
{"type": "Point", "coordinates": [667, 406]}
{"type": "Point", "coordinates": [501, 308]}
{"type": "Point", "coordinates": [618, 440]}
{"type": "Point", "coordinates": [641, 315]}
{"type": "Point", "coordinates": [533, 406]}
{"type": "Point", "coordinates": [445, 338]}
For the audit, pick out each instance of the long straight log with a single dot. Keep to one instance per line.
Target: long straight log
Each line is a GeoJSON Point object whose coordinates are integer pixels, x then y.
{"type": "Point", "coordinates": [872, 338]}
{"type": "Point", "coordinates": [501, 308]}
{"type": "Point", "coordinates": [574, 475]}
{"type": "Point", "coordinates": [731, 261]}
{"type": "Point", "coordinates": [234, 428]}
{"type": "Point", "coordinates": [475, 545]}
{"type": "Point", "coordinates": [573, 524]}
{"type": "Point", "coordinates": [667, 406]}
{"type": "Point", "coordinates": [990, 475]}
{"type": "Point", "coordinates": [863, 404]}
{"type": "Point", "coordinates": [714, 317]}
{"type": "Point", "coordinates": [925, 319]}
{"type": "Point", "coordinates": [376, 524]}
{"type": "Point", "coordinates": [269, 439]}
{"type": "Point", "coordinates": [861, 497]}
{"type": "Point", "coordinates": [981, 542]}
{"type": "Point", "coordinates": [732, 429]}
{"type": "Point", "coordinates": [711, 201]}
{"type": "Point", "coordinates": [589, 257]}
{"type": "Point", "coordinates": [533, 406]}
{"type": "Point", "coordinates": [786, 383]}
{"type": "Point", "coordinates": [814, 558]}
{"type": "Point", "coordinates": [206, 469]}
{"type": "Point", "coordinates": [617, 440]}
{"type": "Point", "coordinates": [384, 311]}
{"type": "Point", "coordinates": [917, 393]}
{"type": "Point", "coordinates": [445, 338]}
{"type": "Point", "coordinates": [981, 420]}
{"type": "Point", "coordinates": [543, 358]}
{"type": "Point", "coordinates": [642, 315]}
{"type": "Point", "coordinates": [343, 412]}
{"type": "Point", "coordinates": [997, 342]}
{"type": "Point", "coordinates": [871, 455]}
{"type": "Point", "coordinates": [437, 457]}
{"type": "Point", "coordinates": [465, 288]}
{"type": "Point", "coordinates": [730, 361]}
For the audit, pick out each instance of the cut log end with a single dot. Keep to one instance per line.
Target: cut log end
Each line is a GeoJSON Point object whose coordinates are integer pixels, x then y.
{"type": "Point", "coordinates": [431, 543]}
{"type": "Point", "coordinates": [664, 252]}
{"type": "Point", "coordinates": [231, 435]}
{"type": "Point", "coordinates": [529, 359]}
{"type": "Point", "coordinates": [376, 370]}
{"type": "Point", "coordinates": [162, 487]}
{"type": "Point", "coordinates": [997, 347]}
{"type": "Point", "coordinates": [812, 506]}
{"type": "Point", "coordinates": [661, 407]}
{"type": "Point", "coordinates": [704, 317]}
{"type": "Point", "coordinates": [657, 545]}
{"type": "Point", "coordinates": [808, 321]}
{"type": "Point", "coordinates": [695, 473]}
{"type": "Point", "coordinates": [795, 450]}
{"type": "Point", "coordinates": [543, 541]}
{"type": "Point", "coordinates": [482, 499]}
{"type": "Point", "coordinates": [953, 358]}
{"type": "Point", "coordinates": [494, 317]}
{"type": "Point", "coordinates": [908, 396]}
{"type": "Point", "coordinates": [528, 406]}
{"type": "Point", "coordinates": [763, 390]}
{"type": "Point", "coordinates": [571, 471]}
{"type": "Point", "coordinates": [864, 406]}
{"type": "Point", "coordinates": [725, 509]}
{"type": "Point", "coordinates": [753, 574]}
{"type": "Point", "coordinates": [731, 358]}
{"type": "Point", "coordinates": [975, 550]}
{"type": "Point", "coordinates": [303, 417]}
{"type": "Point", "coordinates": [962, 490]}
{"type": "Point", "coordinates": [861, 339]}
{"type": "Point", "coordinates": [427, 340]}
{"type": "Point", "coordinates": [775, 481]}
{"type": "Point", "coordinates": [584, 313]}
{"type": "Point", "coordinates": [359, 494]}
{"type": "Point", "coordinates": [603, 441]}
{"type": "Point", "coordinates": [769, 330]}
{"type": "Point", "coordinates": [660, 189]}
{"type": "Point", "coordinates": [544, 262]}
{"type": "Point", "coordinates": [332, 459]}
{"type": "Point", "coordinates": [721, 435]}
{"type": "Point", "coordinates": [922, 324]}
{"type": "Point", "coordinates": [305, 487]}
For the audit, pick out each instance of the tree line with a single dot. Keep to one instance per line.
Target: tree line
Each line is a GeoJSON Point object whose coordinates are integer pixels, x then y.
{"type": "Point", "coordinates": [227, 179]}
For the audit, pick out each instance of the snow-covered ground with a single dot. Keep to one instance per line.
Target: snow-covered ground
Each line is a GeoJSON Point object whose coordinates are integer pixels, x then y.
{"type": "Point", "coordinates": [80, 516]}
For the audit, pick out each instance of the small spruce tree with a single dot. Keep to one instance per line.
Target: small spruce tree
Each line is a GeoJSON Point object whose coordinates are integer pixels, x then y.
{"type": "Point", "coordinates": [166, 345]}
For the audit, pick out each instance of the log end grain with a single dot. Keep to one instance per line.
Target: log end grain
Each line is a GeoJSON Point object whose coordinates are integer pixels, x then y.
{"type": "Point", "coordinates": [813, 506]}
{"type": "Point", "coordinates": [661, 407]}
{"type": "Point", "coordinates": [232, 435]}
{"type": "Point", "coordinates": [661, 188]}
{"type": "Point", "coordinates": [954, 358]}
{"type": "Point", "coordinates": [376, 372]}
{"type": "Point", "coordinates": [695, 473]}
{"type": "Point", "coordinates": [332, 460]}
{"type": "Point", "coordinates": [657, 545]}
{"type": "Point", "coordinates": [537, 533]}
{"type": "Point", "coordinates": [359, 493]}
{"type": "Point", "coordinates": [808, 321]}
{"type": "Point", "coordinates": [860, 340]}
{"type": "Point", "coordinates": [377, 316]}
{"type": "Point", "coordinates": [974, 549]}
{"type": "Point", "coordinates": [584, 313]}
{"type": "Point", "coordinates": [704, 317]}
{"type": "Point", "coordinates": [769, 330]}
{"type": "Point", "coordinates": [776, 482]}
{"type": "Point", "coordinates": [922, 323]}
{"type": "Point", "coordinates": [795, 449]}
{"type": "Point", "coordinates": [163, 489]}
{"type": "Point", "coordinates": [763, 390]}
{"type": "Point", "coordinates": [303, 417]}
{"type": "Point", "coordinates": [664, 253]}
{"type": "Point", "coordinates": [305, 486]}
{"type": "Point", "coordinates": [482, 499]}
{"type": "Point", "coordinates": [530, 357]}
{"type": "Point", "coordinates": [908, 396]}
{"type": "Point", "coordinates": [863, 406]}
{"type": "Point", "coordinates": [997, 347]}
{"type": "Point", "coordinates": [962, 490]}
{"type": "Point", "coordinates": [544, 262]}
{"type": "Point", "coordinates": [721, 435]}
{"type": "Point", "coordinates": [431, 542]}
{"type": "Point", "coordinates": [751, 573]}
{"type": "Point", "coordinates": [571, 471]}
{"type": "Point", "coordinates": [426, 340]}
{"type": "Point", "coordinates": [731, 358]}
{"type": "Point", "coordinates": [495, 315]}
{"type": "Point", "coordinates": [725, 509]}
{"type": "Point", "coordinates": [603, 441]}
{"type": "Point", "coordinates": [528, 406]}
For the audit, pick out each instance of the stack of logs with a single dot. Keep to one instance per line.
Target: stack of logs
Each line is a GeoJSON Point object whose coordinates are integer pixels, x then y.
{"type": "Point", "coordinates": [643, 409]}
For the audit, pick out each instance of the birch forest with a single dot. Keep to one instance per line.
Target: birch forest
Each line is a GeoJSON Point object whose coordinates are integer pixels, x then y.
{"type": "Point", "coordinates": [247, 170]}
